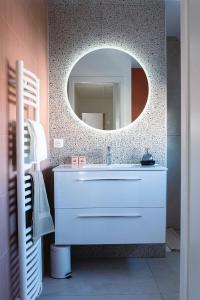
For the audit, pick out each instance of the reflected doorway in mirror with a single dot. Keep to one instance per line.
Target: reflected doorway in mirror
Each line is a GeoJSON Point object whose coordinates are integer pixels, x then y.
{"type": "Point", "coordinates": [110, 82]}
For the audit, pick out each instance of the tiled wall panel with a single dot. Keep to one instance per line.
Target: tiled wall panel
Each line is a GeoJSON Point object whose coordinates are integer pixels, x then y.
{"type": "Point", "coordinates": [136, 26]}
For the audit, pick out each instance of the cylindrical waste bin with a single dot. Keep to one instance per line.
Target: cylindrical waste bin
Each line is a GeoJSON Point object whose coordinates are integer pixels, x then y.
{"type": "Point", "coordinates": [60, 261]}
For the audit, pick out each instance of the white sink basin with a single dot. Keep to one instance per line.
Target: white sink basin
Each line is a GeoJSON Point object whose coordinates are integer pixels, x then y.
{"type": "Point", "coordinates": [104, 167]}
{"type": "Point", "coordinates": [112, 166]}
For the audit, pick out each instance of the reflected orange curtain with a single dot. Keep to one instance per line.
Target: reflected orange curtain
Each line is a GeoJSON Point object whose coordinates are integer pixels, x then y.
{"type": "Point", "coordinates": [139, 91]}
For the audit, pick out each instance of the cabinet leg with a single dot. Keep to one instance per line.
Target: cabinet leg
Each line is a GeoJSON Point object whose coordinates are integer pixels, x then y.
{"type": "Point", "coordinates": [68, 262]}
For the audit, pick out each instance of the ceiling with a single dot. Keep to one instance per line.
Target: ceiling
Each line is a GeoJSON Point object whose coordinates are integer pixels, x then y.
{"type": "Point", "coordinates": [173, 18]}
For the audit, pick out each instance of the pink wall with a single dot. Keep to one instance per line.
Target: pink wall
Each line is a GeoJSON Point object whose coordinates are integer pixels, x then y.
{"type": "Point", "coordinates": [23, 35]}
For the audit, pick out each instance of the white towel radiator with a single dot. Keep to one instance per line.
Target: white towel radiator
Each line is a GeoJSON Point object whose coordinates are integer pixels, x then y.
{"type": "Point", "coordinates": [30, 257]}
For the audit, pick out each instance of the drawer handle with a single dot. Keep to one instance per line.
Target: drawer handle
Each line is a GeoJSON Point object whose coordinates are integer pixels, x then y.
{"type": "Point", "coordinates": [109, 216]}
{"type": "Point", "coordinates": [109, 179]}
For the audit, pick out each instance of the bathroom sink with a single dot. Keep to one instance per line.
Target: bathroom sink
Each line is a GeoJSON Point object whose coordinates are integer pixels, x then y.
{"type": "Point", "coordinates": [112, 166]}
{"type": "Point", "coordinates": [104, 167]}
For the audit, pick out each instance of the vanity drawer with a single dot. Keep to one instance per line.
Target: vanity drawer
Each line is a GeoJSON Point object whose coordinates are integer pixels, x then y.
{"type": "Point", "coordinates": [110, 226]}
{"type": "Point", "coordinates": [110, 189]}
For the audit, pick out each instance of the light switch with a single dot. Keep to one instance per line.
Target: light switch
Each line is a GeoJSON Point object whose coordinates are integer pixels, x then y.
{"type": "Point", "coordinates": [58, 143]}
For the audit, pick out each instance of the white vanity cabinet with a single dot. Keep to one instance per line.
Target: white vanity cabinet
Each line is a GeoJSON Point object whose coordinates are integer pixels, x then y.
{"type": "Point", "coordinates": [110, 205]}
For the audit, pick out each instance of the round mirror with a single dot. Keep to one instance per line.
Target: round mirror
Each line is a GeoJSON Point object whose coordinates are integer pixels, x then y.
{"type": "Point", "coordinates": [107, 89]}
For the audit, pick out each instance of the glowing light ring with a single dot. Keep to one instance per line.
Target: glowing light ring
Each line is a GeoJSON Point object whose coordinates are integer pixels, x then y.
{"type": "Point", "coordinates": [68, 102]}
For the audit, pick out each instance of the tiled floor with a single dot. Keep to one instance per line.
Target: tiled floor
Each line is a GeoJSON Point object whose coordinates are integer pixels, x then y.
{"type": "Point", "coordinates": [118, 279]}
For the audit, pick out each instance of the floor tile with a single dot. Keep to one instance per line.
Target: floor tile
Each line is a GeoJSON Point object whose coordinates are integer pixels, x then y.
{"type": "Point", "coordinates": [101, 277]}
{"type": "Point", "coordinates": [117, 279]}
{"type": "Point", "coordinates": [166, 272]}
{"type": "Point", "coordinates": [174, 296]}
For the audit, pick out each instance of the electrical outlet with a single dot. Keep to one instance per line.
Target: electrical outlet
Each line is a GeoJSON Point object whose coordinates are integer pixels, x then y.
{"type": "Point", "coordinates": [58, 143]}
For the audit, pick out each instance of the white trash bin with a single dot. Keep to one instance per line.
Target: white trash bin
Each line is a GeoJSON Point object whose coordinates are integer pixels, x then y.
{"type": "Point", "coordinates": [60, 261]}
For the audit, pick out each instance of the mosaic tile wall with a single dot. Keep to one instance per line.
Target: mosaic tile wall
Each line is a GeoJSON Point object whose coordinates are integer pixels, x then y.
{"type": "Point", "coordinates": [77, 26]}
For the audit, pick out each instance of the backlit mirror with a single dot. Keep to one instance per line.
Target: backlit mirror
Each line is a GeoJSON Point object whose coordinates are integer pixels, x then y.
{"type": "Point", "coordinates": [107, 89]}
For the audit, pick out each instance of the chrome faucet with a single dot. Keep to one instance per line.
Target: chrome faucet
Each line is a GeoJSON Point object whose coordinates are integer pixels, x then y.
{"type": "Point", "coordinates": [108, 156]}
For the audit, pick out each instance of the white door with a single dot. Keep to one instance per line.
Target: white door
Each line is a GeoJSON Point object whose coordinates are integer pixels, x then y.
{"type": "Point", "coordinates": [93, 119]}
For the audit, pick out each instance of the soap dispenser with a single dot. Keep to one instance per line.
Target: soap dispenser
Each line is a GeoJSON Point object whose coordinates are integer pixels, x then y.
{"type": "Point", "coordinates": [147, 159]}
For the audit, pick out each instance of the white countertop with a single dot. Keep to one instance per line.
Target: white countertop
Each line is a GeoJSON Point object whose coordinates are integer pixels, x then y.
{"type": "Point", "coordinates": [112, 167]}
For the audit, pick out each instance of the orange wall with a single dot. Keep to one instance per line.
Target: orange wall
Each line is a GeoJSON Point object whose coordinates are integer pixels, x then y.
{"type": "Point", "coordinates": [139, 91]}
{"type": "Point", "coordinates": [23, 35]}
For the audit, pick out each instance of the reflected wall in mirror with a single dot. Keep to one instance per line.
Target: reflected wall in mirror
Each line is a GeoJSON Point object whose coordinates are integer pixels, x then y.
{"type": "Point", "coordinates": [107, 89]}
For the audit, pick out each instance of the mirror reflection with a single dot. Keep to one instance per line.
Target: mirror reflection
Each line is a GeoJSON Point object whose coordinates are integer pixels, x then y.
{"type": "Point", "coordinates": [107, 89]}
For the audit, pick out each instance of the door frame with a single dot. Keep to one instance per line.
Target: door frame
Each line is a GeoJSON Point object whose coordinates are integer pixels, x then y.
{"type": "Point", "coordinates": [184, 152]}
{"type": "Point", "coordinates": [190, 150]}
